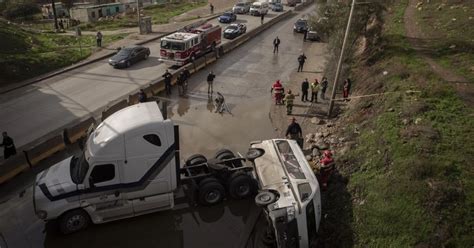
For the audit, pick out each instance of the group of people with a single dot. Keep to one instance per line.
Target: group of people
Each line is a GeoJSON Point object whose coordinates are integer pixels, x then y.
{"type": "Point", "coordinates": [315, 86]}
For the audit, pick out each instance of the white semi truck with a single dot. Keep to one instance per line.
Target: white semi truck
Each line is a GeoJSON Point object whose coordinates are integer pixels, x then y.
{"type": "Point", "coordinates": [130, 166]}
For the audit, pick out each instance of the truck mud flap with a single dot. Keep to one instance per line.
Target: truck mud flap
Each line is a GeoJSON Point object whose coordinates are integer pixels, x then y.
{"type": "Point", "coordinates": [176, 154]}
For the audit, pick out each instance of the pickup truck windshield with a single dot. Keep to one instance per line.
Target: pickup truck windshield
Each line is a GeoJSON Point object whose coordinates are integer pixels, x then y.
{"type": "Point", "coordinates": [79, 168]}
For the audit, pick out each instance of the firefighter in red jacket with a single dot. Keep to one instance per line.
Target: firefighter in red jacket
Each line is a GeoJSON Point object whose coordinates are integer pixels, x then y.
{"type": "Point", "coordinates": [327, 168]}
{"type": "Point", "coordinates": [277, 90]}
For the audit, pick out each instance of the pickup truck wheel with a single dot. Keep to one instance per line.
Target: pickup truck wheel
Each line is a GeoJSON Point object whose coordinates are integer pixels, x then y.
{"type": "Point", "coordinates": [73, 221]}
{"type": "Point", "coordinates": [240, 185]}
{"type": "Point", "coordinates": [211, 192]}
{"type": "Point", "coordinates": [265, 198]}
{"type": "Point", "coordinates": [254, 153]}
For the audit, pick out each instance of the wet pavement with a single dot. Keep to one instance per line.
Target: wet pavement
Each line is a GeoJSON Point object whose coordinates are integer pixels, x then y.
{"type": "Point", "coordinates": [244, 77]}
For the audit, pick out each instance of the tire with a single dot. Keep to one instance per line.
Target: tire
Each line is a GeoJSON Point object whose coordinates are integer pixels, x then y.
{"type": "Point", "coordinates": [213, 47]}
{"type": "Point", "coordinates": [192, 58]}
{"type": "Point", "coordinates": [265, 198]}
{"type": "Point", "coordinates": [146, 56]}
{"type": "Point", "coordinates": [224, 154]}
{"type": "Point", "coordinates": [240, 185]}
{"type": "Point", "coordinates": [74, 221]}
{"type": "Point", "coordinates": [195, 160]}
{"type": "Point", "coordinates": [128, 64]}
{"type": "Point", "coordinates": [254, 153]}
{"type": "Point", "coordinates": [211, 192]}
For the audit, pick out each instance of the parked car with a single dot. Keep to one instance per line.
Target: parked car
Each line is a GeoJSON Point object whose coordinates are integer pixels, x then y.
{"type": "Point", "coordinates": [128, 56]}
{"type": "Point", "coordinates": [241, 8]}
{"type": "Point", "coordinates": [300, 26]}
{"type": "Point", "coordinates": [277, 7]}
{"type": "Point", "coordinates": [234, 30]}
{"type": "Point", "coordinates": [227, 17]}
{"type": "Point", "coordinates": [291, 3]}
{"type": "Point", "coordinates": [313, 35]}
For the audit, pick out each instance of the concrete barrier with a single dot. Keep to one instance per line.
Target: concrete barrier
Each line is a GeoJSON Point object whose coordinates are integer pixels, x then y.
{"type": "Point", "coordinates": [114, 108]}
{"type": "Point", "coordinates": [45, 149]}
{"type": "Point", "coordinates": [76, 132]}
{"type": "Point", "coordinates": [13, 166]}
{"type": "Point", "coordinates": [157, 87]}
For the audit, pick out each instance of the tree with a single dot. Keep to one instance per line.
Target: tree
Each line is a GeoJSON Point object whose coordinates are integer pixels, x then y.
{"type": "Point", "coordinates": [21, 11]}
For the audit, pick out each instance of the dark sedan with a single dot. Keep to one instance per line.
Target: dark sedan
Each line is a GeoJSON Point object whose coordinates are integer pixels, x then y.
{"type": "Point", "coordinates": [234, 30]}
{"type": "Point", "coordinates": [300, 26]}
{"type": "Point", "coordinates": [128, 56]}
{"type": "Point", "coordinates": [227, 17]}
{"type": "Point", "coordinates": [277, 7]}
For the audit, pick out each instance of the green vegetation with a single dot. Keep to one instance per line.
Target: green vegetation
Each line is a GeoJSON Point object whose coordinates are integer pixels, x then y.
{"type": "Point", "coordinates": [409, 180]}
{"type": "Point", "coordinates": [451, 25]}
{"type": "Point", "coordinates": [159, 14]}
{"type": "Point", "coordinates": [26, 54]}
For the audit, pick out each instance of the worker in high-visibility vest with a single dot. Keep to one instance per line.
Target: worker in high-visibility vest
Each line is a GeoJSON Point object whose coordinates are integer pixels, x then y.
{"type": "Point", "coordinates": [289, 98]}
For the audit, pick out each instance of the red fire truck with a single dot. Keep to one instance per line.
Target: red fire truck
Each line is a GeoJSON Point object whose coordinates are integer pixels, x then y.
{"type": "Point", "coordinates": [184, 46]}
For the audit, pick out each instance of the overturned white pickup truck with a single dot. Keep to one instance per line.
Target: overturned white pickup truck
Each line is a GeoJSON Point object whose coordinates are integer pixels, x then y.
{"type": "Point", "coordinates": [131, 166]}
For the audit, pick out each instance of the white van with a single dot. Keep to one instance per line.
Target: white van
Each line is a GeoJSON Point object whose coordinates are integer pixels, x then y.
{"type": "Point", "coordinates": [259, 8]}
{"type": "Point", "coordinates": [289, 191]}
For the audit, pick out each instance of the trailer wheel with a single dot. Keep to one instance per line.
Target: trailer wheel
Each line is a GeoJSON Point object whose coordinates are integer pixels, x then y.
{"type": "Point", "coordinates": [73, 221]}
{"type": "Point", "coordinates": [195, 160]}
{"type": "Point", "coordinates": [265, 198]}
{"type": "Point", "coordinates": [240, 185]}
{"type": "Point", "coordinates": [224, 154]}
{"type": "Point", "coordinates": [211, 192]}
{"type": "Point", "coordinates": [254, 153]}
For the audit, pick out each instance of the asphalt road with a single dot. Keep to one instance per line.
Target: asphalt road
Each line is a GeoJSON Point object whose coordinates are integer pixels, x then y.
{"type": "Point", "coordinates": [244, 77]}
{"type": "Point", "coordinates": [34, 111]}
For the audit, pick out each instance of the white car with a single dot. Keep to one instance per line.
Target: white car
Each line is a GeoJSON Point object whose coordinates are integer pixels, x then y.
{"type": "Point", "coordinates": [241, 8]}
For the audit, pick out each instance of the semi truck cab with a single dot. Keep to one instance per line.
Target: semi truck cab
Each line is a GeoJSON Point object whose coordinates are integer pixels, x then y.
{"type": "Point", "coordinates": [127, 168]}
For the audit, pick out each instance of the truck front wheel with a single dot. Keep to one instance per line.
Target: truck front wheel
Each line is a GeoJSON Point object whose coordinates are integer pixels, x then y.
{"type": "Point", "coordinates": [73, 221]}
{"type": "Point", "coordinates": [240, 185]}
{"type": "Point", "coordinates": [211, 192]}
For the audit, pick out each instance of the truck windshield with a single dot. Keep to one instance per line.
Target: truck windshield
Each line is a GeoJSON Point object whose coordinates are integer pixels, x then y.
{"type": "Point", "coordinates": [79, 168]}
{"type": "Point", "coordinates": [178, 46]}
{"type": "Point", "coordinates": [289, 159]}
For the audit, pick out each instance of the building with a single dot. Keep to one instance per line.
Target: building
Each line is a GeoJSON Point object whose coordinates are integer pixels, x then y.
{"type": "Point", "coordinates": [47, 10]}
{"type": "Point", "coordinates": [91, 13]}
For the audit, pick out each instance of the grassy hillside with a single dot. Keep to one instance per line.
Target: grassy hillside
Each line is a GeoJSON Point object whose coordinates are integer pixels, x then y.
{"type": "Point", "coordinates": [25, 54]}
{"type": "Point", "coordinates": [410, 174]}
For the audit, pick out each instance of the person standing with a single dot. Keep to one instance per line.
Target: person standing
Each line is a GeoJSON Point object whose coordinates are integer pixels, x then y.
{"type": "Point", "coordinates": [9, 146]}
{"type": "Point", "coordinates": [180, 82]}
{"type": "Point", "coordinates": [289, 98]}
{"type": "Point", "coordinates": [345, 89]}
{"type": "Point", "coordinates": [276, 43]}
{"type": "Point", "coordinates": [167, 76]}
{"type": "Point", "coordinates": [262, 17]}
{"type": "Point", "coordinates": [324, 87]}
{"type": "Point", "coordinates": [301, 60]}
{"type": "Point", "coordinates": [305, 35]}
{"type": "Point", "coordinates": [294, 132]}
{"type": "Point", "coordinates": [304, 90]}
{"type": "Point", "coordinates": [187, 75]}
{"type": "Point", "coordinates": [98, 38]}
{"type": "Point", "coordinates": [210, 82]}
{"type": "Point", "coordinates": [212, 8]}
{"type": "Point", "coordinates": [314, 90]}
{"type": "Point", "coordinates": [142, 96]}
{"type": "Point", "coordinates": [278, 90]}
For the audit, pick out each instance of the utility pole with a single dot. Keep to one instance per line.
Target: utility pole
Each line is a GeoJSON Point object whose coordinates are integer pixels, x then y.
{"type": "Point", "coordinates": [53, 6]}
{"type": "Point", "coordinates": [338, 69]}
{"type": "Point", "coordinates": [139, 18]}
